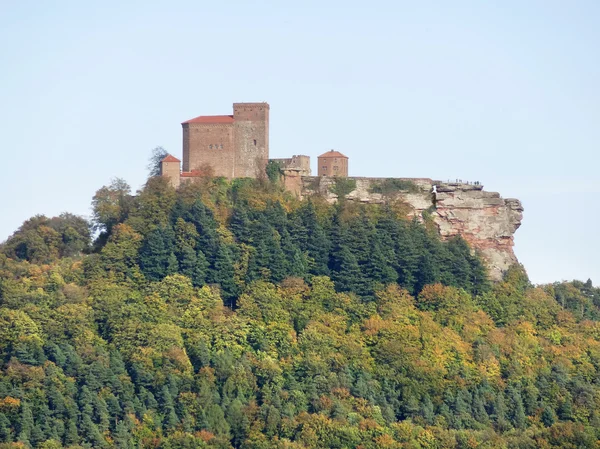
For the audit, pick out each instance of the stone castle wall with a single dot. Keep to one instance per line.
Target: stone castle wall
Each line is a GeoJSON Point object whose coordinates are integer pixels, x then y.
{"type": "Point", "coordinates": [234, 146]}
{"type": "Point", "coordinates": [209, 144]}
{"type": "Point", "coordinates": [298, 162]}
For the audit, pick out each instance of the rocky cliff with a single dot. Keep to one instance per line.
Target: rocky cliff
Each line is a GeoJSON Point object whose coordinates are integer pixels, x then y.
{"type": "Point", "coordinates": [484, 219]}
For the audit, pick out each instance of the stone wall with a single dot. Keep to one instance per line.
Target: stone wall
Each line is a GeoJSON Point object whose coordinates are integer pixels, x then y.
{"type": "Point", "coordinates": [234, 146]}
{"type": "Point", "coordinates": [298, 161]}
{"type": "Point", "coordinates": [209, 144]}
{"type": "Point", "coordinates": [484, 219]}
{"type": "Point", "coordinates": [171, 171]}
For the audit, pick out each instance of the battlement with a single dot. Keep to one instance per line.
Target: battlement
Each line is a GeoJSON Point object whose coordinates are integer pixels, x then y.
{"type": "Point", "coordinates": [299, 163]}
{"type": "Point", "coordinates": [251, 111]}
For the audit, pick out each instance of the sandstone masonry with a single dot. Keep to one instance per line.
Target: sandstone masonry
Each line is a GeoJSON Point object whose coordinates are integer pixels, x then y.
{"type": "Point", "coordinates": [233, 146]}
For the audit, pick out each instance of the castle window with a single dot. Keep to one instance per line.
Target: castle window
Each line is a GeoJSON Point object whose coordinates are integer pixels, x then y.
{"type": "Point", "coordinates": [210, 146]}
{"type": "Point", "coordinates": [221, 146]}
{"type": "Point", "coordinates": [324, 167]}
{"type": "Point", "coordinates": [254, 142]}
{"type": "Point", "coordinates": [335, 168]}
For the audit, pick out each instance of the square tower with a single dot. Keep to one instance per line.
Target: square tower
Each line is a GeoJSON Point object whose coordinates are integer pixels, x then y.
{"type": "Point", "coordinates": [251, 137]}
{"type": "Point", "coordinates": [333, 163]}
{"type": "Point", "coordinates": [234, 146]}
{"type": "Point", "coordinates": [208, 141]}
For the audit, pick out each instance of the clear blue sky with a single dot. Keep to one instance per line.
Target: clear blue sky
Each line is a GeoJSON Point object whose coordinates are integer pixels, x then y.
{"type": "Point", "coordinates": [507, 93]}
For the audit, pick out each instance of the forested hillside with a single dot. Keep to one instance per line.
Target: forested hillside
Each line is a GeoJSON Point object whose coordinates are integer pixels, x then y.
{"type": "Point", "coordinates": [231, 315]}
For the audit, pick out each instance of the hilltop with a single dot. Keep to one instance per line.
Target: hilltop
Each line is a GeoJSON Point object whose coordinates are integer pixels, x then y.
{"type": "Point", "coordinates": [238, 314]}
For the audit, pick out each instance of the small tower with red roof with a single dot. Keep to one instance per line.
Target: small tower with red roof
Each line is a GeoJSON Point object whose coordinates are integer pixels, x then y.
{"type": "Point", "coordinates": [170, 168]}
{"type": "Point", "coordinates": [333, 163]}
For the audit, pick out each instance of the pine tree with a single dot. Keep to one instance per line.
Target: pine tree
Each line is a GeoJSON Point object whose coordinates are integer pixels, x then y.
{"type": "Point", "coordinates": [156, 255]}
{"type": "Point", "coordinates": [101, 415]}
{"type": "Point", "coordinates": [517, 411]}
{"type": "Point", "coordinates": [378, 267]}
{"type": "Point", "coordinates": [238, 422]}
{"type": "Point", "coordinates": [71, 434]}
{"type": "Point", "coordinates": [500, 417]}
{"type": "Point", "coordinates": [478, 406]}
{"type": "Point", "coordinates": [427, 410]}
{"type": "Point", "coordinates": [428, 272]}
{"type": "Point", "coordinates": [6, 434]}
{"type": "Point", "coordinates": [347, 275]}
{"type": "Point", "coordinates": [170, 419]}
{"type": "Point", "coordinates": [90, 432]}
{"type": "Point", "coordinates": [193, 265]}
{"type": "Point", "coordinates": [222, 273]}
{"type": "Point", "coordinates": [172, 264]}
{"type": "Point", "coordinates": [277, 261]}
{"type": "Point", "coordinates": [122, 436]}
{"type": "Point", "coordinates": [548, 416]}
{"type": "Point", "coordinates": [317, 243]}
{"type": "Point", "coordinates": [37, 435]}
{"type": "Point", "coordinates": [215, 420]}
{"type": "Point", "coordinates": [407, 254]}
{"type": "Point", "coordinates": [26, 423]}
{"type": "Point", "coordinates": [240, 224]}
{"type": "Point", "coordinates": [206, 226]}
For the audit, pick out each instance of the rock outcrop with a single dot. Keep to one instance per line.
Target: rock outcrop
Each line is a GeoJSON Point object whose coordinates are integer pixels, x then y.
{"type": "Point", "coordinates": [484, 219]}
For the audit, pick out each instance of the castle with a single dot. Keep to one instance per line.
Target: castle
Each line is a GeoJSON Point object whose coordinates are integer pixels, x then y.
{"type": "Point", "coordinates": [237, 146]}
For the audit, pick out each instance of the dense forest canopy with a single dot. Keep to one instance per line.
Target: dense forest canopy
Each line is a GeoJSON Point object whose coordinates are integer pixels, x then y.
{"type": "Point", "coordinates": [232, 315]}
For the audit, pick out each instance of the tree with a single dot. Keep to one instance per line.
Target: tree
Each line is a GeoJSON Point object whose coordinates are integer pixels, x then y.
{"type": "Point", "coordinates": [43, 240]}
{"type": "Point", "coordinates": [316, 243]}
{"type": "Point", "coordinates": [6, 434]}
{"type": "Point", "coordinates": [222, 273]}
{"type": "Point", "coordinates": [111, 205]}
{"type": "Point", "coordinates": [342, 187]}
{"type": "Point", "coordinates": [273, 171]}
{"type": "Point", "coordinates": [154, 162]}
{"type": "Point", "coordinates": [26, 423]}
{"type": "Point", "coordinates": [156, 254]}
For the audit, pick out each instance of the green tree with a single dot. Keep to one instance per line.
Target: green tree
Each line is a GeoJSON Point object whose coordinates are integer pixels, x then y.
{"type": "Point", "coordinates": [156, 254]}
{"type": "Point", "coordinates": [111, 205]}
{"type": "Point", "coordinates": [154, 162]}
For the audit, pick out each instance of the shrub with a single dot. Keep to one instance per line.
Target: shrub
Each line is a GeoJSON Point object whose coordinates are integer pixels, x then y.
{"type": "Point", "coordinates": [391, 186]}
{"type": "Point", "coordinates": [342, 187]}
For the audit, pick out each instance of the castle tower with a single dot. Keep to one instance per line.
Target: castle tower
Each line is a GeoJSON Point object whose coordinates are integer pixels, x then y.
{"type": "Point", "coordinates": [209, 141]}
{"type": "Point", "coordinates": [333, 163]}
{"type": "Point", "coordinates": [234, 146]}
{"type": "Point", "coordinates": [170, 168]}
{"type": "Point", "coordinates": [251, 137]}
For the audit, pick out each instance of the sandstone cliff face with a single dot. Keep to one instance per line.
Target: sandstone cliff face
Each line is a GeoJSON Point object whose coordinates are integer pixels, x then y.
{"type": "Point", "coordinates": [484, 219]}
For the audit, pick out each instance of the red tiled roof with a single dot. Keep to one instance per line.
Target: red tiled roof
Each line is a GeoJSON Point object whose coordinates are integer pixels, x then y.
{"type": "Point", "coordinates": [211, 119]}
{"type": "Point", "coordinates": [170, 158]}
{"type": "Point", "coordinates": [191, 174]}
{"type": "Point", "coordinates": [333, 153]}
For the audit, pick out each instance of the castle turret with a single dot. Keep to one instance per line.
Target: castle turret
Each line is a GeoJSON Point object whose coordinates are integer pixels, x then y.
{"type": "Point", "coordinates": [170, 168]}
{"type": "Point", "coordinates": [333, 163]}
